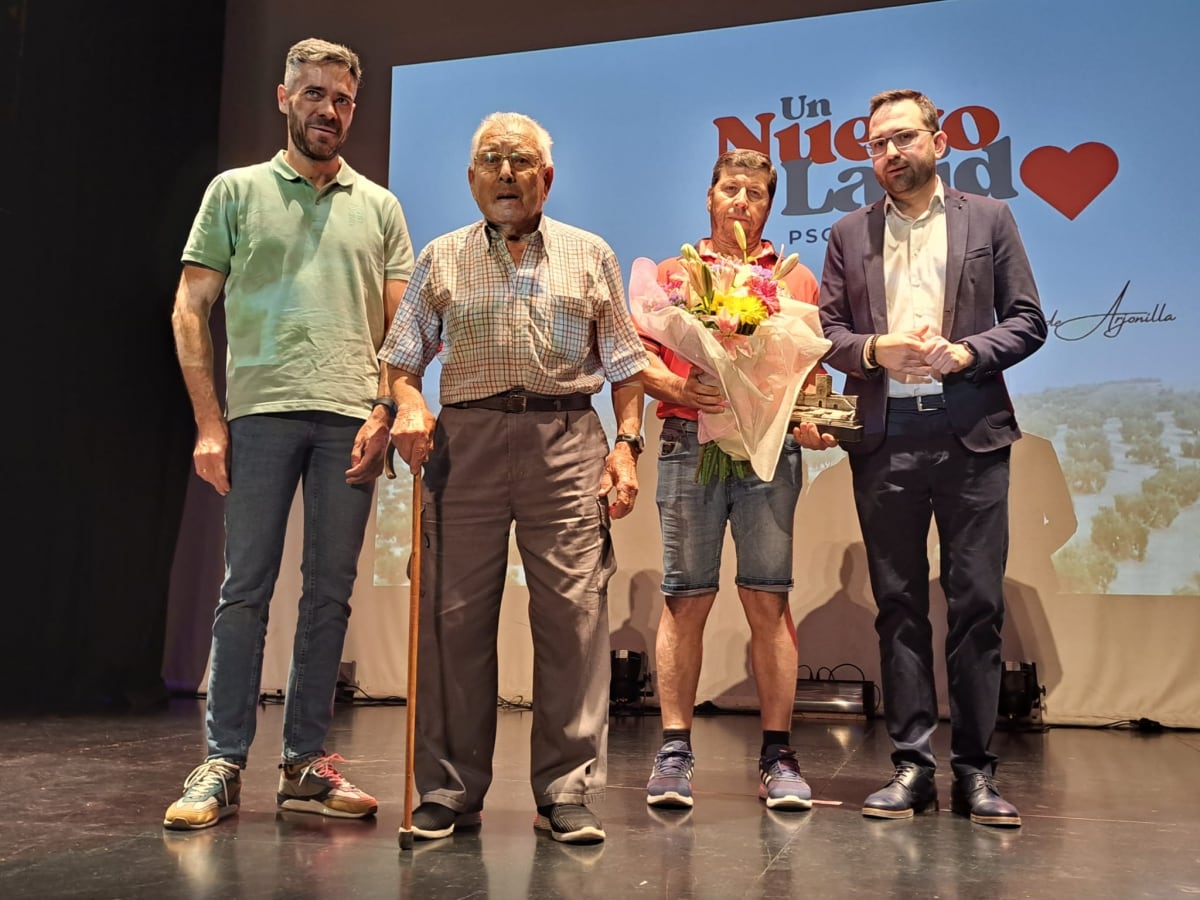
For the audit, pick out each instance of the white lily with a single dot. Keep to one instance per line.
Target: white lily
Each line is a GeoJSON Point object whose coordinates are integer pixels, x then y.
{"type": "Point", "coordinates": [783, 266]}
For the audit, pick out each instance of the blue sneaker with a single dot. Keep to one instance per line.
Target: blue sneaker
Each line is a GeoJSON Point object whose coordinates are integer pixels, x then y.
{"type": "Point", "coordinates": [780, 781]}
{"type": "Point", "coordinates": [670, 782]}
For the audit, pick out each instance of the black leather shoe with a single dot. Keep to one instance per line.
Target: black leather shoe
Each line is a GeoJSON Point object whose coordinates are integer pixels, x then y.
{"type": "Point", "coordinates": [911, 790]}
{"type": "Point", "coordinates": [975, 795]}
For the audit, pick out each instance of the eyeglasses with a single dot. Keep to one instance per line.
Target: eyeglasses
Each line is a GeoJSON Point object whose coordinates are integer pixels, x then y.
{"type": "Point", "coordinates": [518, 160]}
{"type": "Point", "coordinates": [901, 139]}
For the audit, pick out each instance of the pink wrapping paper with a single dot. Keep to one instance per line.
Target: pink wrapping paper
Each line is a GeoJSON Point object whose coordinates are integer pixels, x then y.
{"type": "Point", "coordinates": [761, 385]}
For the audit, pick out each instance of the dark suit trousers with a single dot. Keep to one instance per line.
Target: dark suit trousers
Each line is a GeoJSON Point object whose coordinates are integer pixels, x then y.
{"type": "Point", "coordinates": [920, 469]}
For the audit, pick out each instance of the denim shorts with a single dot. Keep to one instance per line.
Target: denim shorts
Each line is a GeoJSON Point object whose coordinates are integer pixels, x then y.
{"type": "Point", "coordinates": [693, 517]}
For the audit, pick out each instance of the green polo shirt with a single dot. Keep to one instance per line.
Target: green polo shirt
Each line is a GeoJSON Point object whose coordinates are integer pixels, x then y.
{"type": "Point", "coordinates": [305, 269]}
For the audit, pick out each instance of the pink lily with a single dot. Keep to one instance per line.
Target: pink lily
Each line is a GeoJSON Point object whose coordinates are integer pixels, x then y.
{"type": "Point", "coordinates": [727, 334]}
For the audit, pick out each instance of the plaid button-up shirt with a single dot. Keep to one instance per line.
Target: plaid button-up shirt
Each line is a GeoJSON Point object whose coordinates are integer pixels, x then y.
{"type": "Point", "coordinates": [556, 323]}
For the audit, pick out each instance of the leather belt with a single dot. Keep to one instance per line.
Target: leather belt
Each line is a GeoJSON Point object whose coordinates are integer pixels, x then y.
{"type": "Point", "coordinates": [519, 402]}
{"type": "Point", "coordinates": [919, 403]}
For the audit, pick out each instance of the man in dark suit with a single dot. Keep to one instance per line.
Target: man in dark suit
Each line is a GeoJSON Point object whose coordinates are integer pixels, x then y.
{"type": "Point", "coordinates": [927, 297]}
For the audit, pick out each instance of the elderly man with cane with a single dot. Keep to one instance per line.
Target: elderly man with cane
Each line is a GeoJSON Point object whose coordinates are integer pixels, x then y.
{"type": "Point", "coordinates": [529, 319]}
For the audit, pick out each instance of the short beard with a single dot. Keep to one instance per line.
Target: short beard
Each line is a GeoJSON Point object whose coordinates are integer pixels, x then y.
{"type": "Point", "coordinates": [918, 175]}
{"type": "Point", "coordinates": [320, 153]}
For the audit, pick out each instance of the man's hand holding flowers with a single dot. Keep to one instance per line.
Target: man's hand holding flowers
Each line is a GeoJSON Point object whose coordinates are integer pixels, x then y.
{"type": "Point", "coordinates": [702, 395]}
{"type": "Point", "coordinates": [747, 339]}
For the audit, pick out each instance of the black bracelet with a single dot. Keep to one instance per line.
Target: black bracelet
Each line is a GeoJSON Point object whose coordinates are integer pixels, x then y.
{"type": "Point", "coordinates": [387, 403]}
{"type": "Point", "coordinates": [871, 360]}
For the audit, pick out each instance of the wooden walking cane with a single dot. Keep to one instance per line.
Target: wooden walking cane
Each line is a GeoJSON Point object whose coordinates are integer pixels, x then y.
{"type": "Point", "coordinates": [414, 617]}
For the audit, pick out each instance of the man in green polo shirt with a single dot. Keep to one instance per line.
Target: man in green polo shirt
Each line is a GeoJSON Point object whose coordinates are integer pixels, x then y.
{"type": "Point", "coordinates": [312, 259]}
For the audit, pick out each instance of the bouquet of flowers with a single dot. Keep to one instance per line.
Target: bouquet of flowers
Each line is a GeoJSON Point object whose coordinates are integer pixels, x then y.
{"type": "Point", "coordinates": [736, 322]}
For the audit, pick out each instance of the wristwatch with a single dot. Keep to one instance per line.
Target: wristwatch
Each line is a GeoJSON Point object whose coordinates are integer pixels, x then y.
{"type": "Point", "coordinates": [635, 442]}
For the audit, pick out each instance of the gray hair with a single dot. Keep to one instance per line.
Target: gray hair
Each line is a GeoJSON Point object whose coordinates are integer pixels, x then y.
{"type": "Point", "coordinates": [319, 52]}
{"type": "Point", "coordinates": [511, 121]}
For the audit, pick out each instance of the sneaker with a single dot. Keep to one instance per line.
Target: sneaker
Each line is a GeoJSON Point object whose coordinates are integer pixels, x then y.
{"type": "Point", "coordinates": [210, 793]}
{"type": "Point", "coordinates": [571, 823]}
{"type": "Point", "coordinates": [315, 786]}
{"type": "Point", "coordinates": [780, 781]}
{"type": "Point", "coordinates": [431, 821]}
{"type": "Point", "coordinates": [670, 782]}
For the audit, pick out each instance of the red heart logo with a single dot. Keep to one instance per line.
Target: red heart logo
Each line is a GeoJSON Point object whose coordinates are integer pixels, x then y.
{"type": "Point", "coordinates": [1069, 179]}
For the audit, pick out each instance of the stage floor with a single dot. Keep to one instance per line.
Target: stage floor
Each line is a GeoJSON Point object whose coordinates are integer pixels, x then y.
{"type": "Point", "coordinates": [1107, 814]}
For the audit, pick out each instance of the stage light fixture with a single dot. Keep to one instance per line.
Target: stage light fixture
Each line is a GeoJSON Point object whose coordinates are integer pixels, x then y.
{"type": "Point", "coordinates": [831, 697]}
{"type": "Point", "coordinates": [1020, 694]}
{"type": "Point", "coordinates": [628, 680]}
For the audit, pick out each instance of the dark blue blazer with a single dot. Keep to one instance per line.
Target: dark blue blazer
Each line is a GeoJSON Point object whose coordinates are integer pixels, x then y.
{"type": "Point", "coordinates": [991, 302]}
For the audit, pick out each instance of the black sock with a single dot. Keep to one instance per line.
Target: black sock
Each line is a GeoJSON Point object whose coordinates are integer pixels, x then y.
{"type": "Point", "coordinates": [678, 734]}
{"type": "Point", "coordinates": [777, 738]}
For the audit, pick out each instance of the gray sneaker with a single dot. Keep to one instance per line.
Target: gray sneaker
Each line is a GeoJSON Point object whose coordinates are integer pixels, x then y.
{"type": "Point", "coordinates": [432, 821]}
{"type": "Point", "coordinates": [571, 823]}
{"type": "Point", "coordinates": [315, 786]}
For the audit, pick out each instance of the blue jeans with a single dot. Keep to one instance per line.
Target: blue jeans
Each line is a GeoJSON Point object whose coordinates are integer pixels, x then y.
{"type": "Point", "coordinates": [269, 456]}
{"type": "Point", "coordinates": [760, 515]}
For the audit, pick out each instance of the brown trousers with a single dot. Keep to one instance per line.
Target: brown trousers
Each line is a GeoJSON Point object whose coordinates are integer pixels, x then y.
{"type": "Point", "coordinates": [541, 471]}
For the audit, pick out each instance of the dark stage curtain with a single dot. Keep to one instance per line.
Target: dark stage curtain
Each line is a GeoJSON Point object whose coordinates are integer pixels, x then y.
{"type": "Point", "coordinates": [110, 137]}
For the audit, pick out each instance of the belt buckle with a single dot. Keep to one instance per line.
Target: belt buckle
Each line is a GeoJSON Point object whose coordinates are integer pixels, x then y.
{"type": "Point", "coordinates": [920, 403]}
{"type": "Point", "coordinates": [515, 403]}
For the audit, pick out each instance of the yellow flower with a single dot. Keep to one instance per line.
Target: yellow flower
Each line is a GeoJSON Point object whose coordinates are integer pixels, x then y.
{"type": "Point", "coordinates": [749, 310]}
